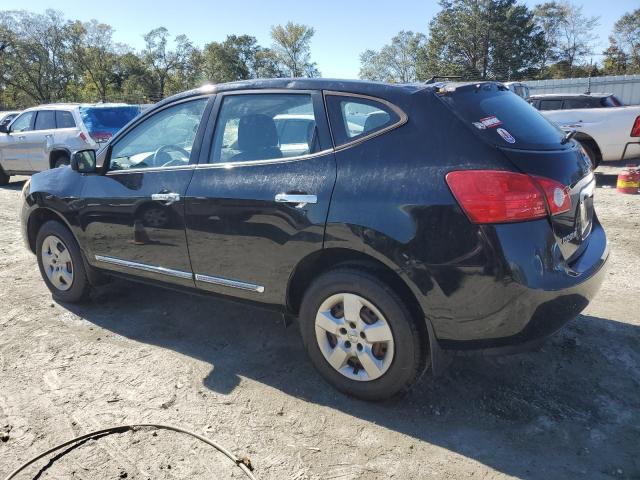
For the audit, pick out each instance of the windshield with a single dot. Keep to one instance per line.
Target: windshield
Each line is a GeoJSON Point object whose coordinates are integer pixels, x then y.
{"type": "Point", "coordinates": [108, 119]}
{"type": "Point", "coordinates": [502, 117]}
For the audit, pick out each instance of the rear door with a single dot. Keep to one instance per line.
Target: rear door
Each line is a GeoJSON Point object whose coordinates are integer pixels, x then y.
{"type": "Point", "coordinates": [253, 212]}
{"type": "Point", "coordinates": [41, 139]}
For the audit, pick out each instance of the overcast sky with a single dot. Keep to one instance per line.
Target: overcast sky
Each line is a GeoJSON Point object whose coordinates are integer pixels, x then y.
{"type": "Point", "coordinates": [343, 28]}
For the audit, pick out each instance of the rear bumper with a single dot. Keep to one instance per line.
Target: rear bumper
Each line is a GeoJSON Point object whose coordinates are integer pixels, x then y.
{"type": "Point", "coordinates": [531, 291]}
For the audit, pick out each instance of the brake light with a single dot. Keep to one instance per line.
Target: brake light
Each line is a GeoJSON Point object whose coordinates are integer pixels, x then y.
{"type": "Point", "coordinates": [493, 196]}
{"type": "Point", "coordinates": [558, 197]}
{"type": "Point", "coordinates": [635, 131]}
{"type": "Point", "coordinates": [100, 136]}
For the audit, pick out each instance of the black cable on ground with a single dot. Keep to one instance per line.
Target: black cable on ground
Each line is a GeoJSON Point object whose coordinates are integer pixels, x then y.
{"type": "Point", "coordinates": [244, 465]}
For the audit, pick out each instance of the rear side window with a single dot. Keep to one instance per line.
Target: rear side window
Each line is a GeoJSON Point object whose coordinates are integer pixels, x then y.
{"type": "Point", "coordinates": [550, 105]}
{"type": "Point", "coordinates": [46, 120]}
{"type": "Point", "coordinates": [503, 119]}
{"type": "Point", "coordinates": [354, 118]}
{"type": "Point", "coordinates": [64, 119]}
{"type": "Point", "coordinates": [254, 127]}
{"type": "Point", "coordinates": [611, 101]}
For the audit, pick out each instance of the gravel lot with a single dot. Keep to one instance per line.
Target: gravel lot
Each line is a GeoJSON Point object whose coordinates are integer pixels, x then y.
{"type": "Point", "coordinates": [139, 354]}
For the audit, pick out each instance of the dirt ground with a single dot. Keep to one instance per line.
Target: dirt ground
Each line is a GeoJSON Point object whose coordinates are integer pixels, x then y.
{"type": "Point", "coordinates": [139, 354]}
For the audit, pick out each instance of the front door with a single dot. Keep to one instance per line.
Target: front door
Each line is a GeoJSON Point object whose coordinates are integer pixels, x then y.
{"type": "Point", "coordinates": [258, 201]}
{"type": "Point", "coordinates": [15, 145]}
{"type": "Point", "coordinates": [133, 216]}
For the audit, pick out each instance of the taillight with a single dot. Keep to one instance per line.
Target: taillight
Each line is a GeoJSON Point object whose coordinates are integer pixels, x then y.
{"type": "Point", "coordinates": [558, 197]}
{"type": "Point", "coordinates": [635, 131]}
{"type": "Point", "coordinates": [493, 196]}
{"type": "Point", "coordinates": [100, 137]}
{"type": "Point", "coordinates": [83, 136]}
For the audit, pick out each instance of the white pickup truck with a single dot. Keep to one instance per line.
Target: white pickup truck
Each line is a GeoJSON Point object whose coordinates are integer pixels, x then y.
{"type": "Point", "coordinates": [606, 130]}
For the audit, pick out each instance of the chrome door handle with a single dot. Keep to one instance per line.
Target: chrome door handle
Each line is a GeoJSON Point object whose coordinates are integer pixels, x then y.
{"type": "Point", "coordinates": [299, 199]}
{"type": "Point", "coordinates": [167, 198]}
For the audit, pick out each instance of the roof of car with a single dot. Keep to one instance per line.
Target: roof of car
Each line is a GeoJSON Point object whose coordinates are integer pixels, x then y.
{"type": "Point", "coordinates": [69, 106]}
{"type": "Point", "coordinates": [351, 86]}
{"type": "Point", "coordinates": [570, 95]}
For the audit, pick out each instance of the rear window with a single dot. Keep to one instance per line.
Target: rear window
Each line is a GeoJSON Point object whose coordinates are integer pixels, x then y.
{"type": "Point", "coordinates": [107, 119]}
{"type": "Point", "coordinates": [502, 118]}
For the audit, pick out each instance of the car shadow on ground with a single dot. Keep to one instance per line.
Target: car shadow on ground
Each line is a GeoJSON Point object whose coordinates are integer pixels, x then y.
{"type": "Point", "coordinates": [15, 185]}
{"type": "Point", "coordinates": [574, 405]}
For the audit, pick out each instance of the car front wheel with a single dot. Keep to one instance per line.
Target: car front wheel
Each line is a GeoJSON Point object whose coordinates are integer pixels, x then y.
{"type": "Point", "coordinates": [360, 336]}
{"type": "Point", "coordinates": [60, 263]}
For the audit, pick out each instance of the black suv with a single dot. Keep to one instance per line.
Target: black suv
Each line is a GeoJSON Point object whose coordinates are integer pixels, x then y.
{"type": "Point", "coordinates": [393, 221]}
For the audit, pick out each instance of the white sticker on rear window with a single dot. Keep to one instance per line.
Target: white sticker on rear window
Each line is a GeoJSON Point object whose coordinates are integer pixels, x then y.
{"type": "Point", "coordinates": [491, 121]}
{"type": "Point", "coordinates": [479, 126]}
{"type": "Point", "coordinates": [506, 136]}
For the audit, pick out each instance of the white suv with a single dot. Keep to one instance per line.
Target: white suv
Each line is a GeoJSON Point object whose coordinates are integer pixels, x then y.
{"type": "Point", "coordinates": [44, 137]}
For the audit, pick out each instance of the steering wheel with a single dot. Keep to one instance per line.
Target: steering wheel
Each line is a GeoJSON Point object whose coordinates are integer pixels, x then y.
{"type": "Point", "coordinates": [166, 148]}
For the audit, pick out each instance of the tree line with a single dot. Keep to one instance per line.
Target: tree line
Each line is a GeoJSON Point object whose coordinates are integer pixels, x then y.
{"type": "Point", "coordinates": [506, 40]}
{"type": "Point", "coordinates": [48, 58]}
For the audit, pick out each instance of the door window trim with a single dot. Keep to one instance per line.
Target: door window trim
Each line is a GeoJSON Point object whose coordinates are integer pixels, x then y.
{"type": "Point", "coordinates": [197, 141]}
{"type": "Point", "coordinates": [402, 117]}
{"type": "Point", "coordinates": [203, 163]}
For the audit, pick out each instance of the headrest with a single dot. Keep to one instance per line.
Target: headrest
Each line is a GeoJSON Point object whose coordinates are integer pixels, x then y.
{"type": "Point", "coordinates": [256, 131]}
{"type": "Point", "coordinates": [374, 121]}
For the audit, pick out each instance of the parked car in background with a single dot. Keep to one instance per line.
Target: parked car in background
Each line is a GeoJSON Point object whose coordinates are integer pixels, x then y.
{"type": "Point", "coordinates": [573, 101]}
{"type": "Point", "coordinates": [606, 129]}
{"type": "Point", "coordinates": [519, 88]}
{"type": "Point", "coordinates": [44, 137]}
{"type": "Point", "coordinates": [415, 218]}
{"type": "Point", "coordinates": [7, 117]}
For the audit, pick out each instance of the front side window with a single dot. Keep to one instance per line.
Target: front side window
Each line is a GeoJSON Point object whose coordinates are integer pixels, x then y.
{"type": "Point", "coordinates": [264, 127]}
{"type": "Point", "coordinates": [353, 118]}
{"type": "Point", "coordinates": [23, 122]}
{"type": "Point", "coordinates": [165, 139]}
{"type": "Point", "coordinates": [46, 120]}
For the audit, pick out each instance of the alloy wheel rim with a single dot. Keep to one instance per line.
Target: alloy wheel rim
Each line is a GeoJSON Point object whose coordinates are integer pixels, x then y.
{"type": "Point", "coordinates": [354, 337]}
{"type": "Point", "coordinates": [57, 263]}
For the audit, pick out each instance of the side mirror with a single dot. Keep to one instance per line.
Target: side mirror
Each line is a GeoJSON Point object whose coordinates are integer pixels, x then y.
{"type": "Point", "coordinates": [4, 128]}
{"type": "Point", "coordinates": [84, 161]}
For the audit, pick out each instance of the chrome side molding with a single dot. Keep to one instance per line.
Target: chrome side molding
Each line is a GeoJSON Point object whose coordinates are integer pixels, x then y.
{"type": "Point", "coordinates": [226, 282]}
{"type": "Point", "coordinates": [144, 267]}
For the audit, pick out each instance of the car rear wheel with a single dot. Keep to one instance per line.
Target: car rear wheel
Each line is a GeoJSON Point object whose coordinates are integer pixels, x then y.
{"type": "Point", "coordinates": [60, 262]}
{"type": "Point", "coordinates": [360, 336]}
{"type": "Point", "coordinates": [63, 161]}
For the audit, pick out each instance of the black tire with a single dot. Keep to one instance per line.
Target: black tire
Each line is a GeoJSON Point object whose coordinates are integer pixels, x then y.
{"type": "Point", "coordinates": [80, 287]}
{"type": "Point", "coordinates": [62, 161]}
{"type": "Point", "coordinates": [410, 355]}
{"type": "Point", "coordinates": [595, 161]}
{"type": "Point", "coordinates": [4, 178]}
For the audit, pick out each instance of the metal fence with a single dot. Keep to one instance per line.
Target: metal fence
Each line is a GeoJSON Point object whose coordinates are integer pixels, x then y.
{"type": "Point", "coordinates": [625, 87]}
